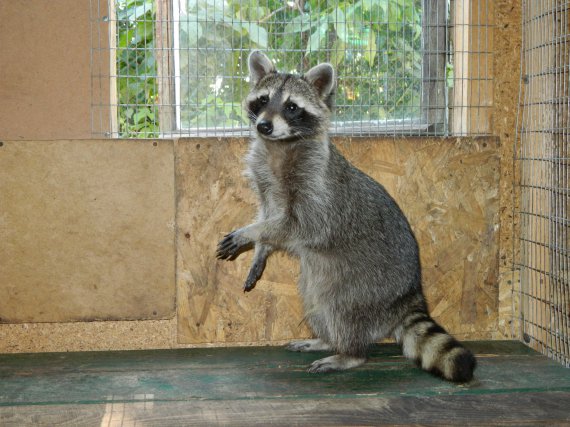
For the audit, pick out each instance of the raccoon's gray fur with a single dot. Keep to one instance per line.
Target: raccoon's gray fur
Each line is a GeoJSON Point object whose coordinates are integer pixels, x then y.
{"type": "Point", "coordinates": [360, 275]}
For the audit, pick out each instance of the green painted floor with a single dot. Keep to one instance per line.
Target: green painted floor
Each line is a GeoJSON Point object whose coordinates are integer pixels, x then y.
{"type": "Point", "coordinates": [269, 386]}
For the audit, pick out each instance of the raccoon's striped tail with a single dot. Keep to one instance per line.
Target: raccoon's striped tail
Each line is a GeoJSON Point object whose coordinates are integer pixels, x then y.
{"type": "Point", "coordinates": [434, 350]}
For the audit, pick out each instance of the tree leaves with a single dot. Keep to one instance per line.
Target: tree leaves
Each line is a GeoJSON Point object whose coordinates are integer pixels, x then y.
{"type": "Point", "coordinates": [190, 32]}
{"type": "Point", "coordinates": [136, 66]}
{"type": "Point", "coordinates": [338, 19]}
{"type": "Point", "coordinates": [375, 46]}
{"type": "Point", "coordinates": [370, 51]}
{"type": "Point", "coordinates": [256, 33]}
{"type": "Point", "coordinates": [318, 38]}
{"type": "Point", "coordinates": [337, 53]}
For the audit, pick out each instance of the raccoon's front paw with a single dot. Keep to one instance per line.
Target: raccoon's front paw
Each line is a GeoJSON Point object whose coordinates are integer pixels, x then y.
{"type": "Point", "coordinates": [232, 245]}
{"type": "Point", "coordinates": [254, 275]}
{"type": "Point", "coordinates": [337, 362]}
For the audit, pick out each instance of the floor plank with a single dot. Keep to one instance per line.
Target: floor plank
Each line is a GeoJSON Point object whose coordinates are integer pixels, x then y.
{"type": "Point", "coordinates": [547, 408]}
{"type": "Point", "coordinates": [270, 386]}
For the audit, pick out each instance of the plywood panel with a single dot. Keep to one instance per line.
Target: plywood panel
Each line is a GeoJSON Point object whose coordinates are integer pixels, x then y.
{"type": "Point", "coordinates": [506, 60]}
{"type": "Point", "coordinates": [447, 187]}
{"type": "Point", "coordinates": [45, 76]}
{"type": "Point", "coordinates": [213, 199]}
{"type": "Point", "coordinates": [102, 335]}
{"type": "Point", "coordinates": [86, 230]}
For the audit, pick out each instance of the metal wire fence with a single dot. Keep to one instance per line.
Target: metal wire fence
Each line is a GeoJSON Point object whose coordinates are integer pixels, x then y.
{"type": "Point", "coordinates": [543, 162]}
{"type": "Point", "coordinates": [178, 67]}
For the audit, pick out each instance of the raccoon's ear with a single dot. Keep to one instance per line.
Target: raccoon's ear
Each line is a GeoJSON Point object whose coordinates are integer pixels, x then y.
{"type": "Point", "coordinates": [259, 66]}
{"type": "Point", "coordinates": [322, 77]}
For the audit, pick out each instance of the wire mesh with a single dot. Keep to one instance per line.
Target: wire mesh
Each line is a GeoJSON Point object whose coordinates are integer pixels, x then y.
{"type": "Point", "coordinates": [542, 160]}
{"type": "Point", "coordinates": [178, 67]}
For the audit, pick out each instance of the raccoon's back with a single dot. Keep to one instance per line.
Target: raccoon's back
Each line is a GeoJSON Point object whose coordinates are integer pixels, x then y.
{"type": "Point", "coordinates": [369, 219]}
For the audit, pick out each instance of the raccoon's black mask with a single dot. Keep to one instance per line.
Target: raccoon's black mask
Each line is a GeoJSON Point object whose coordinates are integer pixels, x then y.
{"type": "Point", "coordinates": [286, 107]}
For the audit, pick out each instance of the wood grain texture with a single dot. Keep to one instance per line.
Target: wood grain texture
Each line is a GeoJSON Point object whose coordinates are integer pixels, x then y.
{"type": "Point", "coordinates": [213, 199]}
{"type": "Point", "coordinates": [83, 336]}
{"type": "Point", "coordinates": [547, 408]}
{"type": "Point", "coordinates": [86, 230]}
{"type": "Point", "coordinates": [269, 386]}
{"type": "Point", "coordinates": [506, 63]}
{"type": "Point", "coordinates": [448, 188]}
{"type": "Point", "coordinates": [45, 75]}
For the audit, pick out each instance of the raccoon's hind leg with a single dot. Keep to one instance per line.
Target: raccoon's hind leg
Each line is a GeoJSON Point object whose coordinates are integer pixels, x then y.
{"type": "Point", "coordinates": [315, 344]}
{"type": "Point", "coordinates": [338, 362]}
{"type": "Point", "coordinates": [317, 324]}
{"type": "Point", "coordinates": [347, 337]}
{"type": "Point", "coordinates": [433, 349]}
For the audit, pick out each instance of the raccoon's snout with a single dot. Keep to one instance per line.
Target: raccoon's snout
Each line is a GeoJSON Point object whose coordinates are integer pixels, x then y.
{"type": "Point", "coordinates": [265, 127]}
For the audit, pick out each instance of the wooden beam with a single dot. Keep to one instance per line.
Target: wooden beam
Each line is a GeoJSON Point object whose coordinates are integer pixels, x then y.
{"type": "Point", "coordinates": [165, 66]}
{"type": "Point", "coordinates": [472, 39]}
{"type": "Point", "coordinates": [434, 63]}
{"type": "Point", "coordinates": [113, 77]}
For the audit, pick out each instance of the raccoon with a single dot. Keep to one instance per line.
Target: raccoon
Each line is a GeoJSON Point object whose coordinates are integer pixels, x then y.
{"type": "Point", "coordinates": [360, 278]}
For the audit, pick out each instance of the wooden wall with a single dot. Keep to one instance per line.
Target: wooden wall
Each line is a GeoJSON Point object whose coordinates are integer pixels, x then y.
{"type": "Point", "coordinates": [45, 70]}
{"type": "Point", "coordinates": [447, 187]}
{"type": "Point", "coordinates": [506, 66]}
{"type": "Point", "coordinates": [77, 258]}
{"type": "Point", "coordinates": [87, 230]}
{"type": "Point", "coordinates": [457, 194]}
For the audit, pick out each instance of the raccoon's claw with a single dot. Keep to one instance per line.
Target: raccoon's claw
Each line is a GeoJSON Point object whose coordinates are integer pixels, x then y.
{"type": "Point", "coordinates": [308, 345]}
{"type": "Point", "coordinates": [248, 286]}
{"type": "Point", "coordinates": [226, 248]}
{"type": "Point", "coordinates": [250, 283]}
{"type": "Point", "coordinates": [254, 275]}
{"type": "Point", "coordinates": [318, 366]}
{"type": "Point", "coordinates": [229, 248]}
{"type": "Point", "coordinates": [337, 362]}
{"type": "Point", "coordinates": [298, 346]}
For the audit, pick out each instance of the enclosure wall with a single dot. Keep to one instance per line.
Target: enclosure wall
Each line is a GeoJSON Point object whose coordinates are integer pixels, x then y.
{"type": "Point", "coordinates": [91, 242]}
{"type": "Point", "coordinates": [46, 87]}
{"type": "Point", "coordinates": [543, 159]}
{"type": "Point", "coordinates": [456, 191]}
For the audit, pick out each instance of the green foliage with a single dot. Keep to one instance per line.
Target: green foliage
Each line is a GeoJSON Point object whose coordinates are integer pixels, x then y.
{"type": "Point", "coordinates": [374, 45]}
{"type": "Point", "coordinates": [136, 68]}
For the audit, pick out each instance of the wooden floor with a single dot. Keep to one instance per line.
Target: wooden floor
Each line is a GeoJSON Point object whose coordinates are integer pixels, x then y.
{"type": "Point", "coordinates": [269, 386]}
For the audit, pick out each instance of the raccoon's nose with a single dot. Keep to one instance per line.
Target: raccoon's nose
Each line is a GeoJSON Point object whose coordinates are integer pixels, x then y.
{"type": "Point", "coordinates": [265, 127]}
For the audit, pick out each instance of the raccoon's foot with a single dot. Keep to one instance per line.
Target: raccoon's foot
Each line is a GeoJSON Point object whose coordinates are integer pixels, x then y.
{"type": "Point", "coordinates": [232, 245]}
{"type": "Point", "coordinates": [338, 362]}
{"type": "Point", "coordinates": [308, 345]}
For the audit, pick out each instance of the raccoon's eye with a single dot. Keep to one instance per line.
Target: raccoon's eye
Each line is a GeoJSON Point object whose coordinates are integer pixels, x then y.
{"type": "Point", "coordinates": [291, 106]}
{"type": "Point", "coordinates": [264, 99]}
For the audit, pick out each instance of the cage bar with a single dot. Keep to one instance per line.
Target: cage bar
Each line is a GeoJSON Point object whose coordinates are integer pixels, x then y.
{"type": "Point", "coordinates": [542, 160]}
{"type": "Point", "coordinates": [168, 68]}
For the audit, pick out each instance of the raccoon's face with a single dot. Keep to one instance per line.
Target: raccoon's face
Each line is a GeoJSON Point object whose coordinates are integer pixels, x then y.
{"type": "Point", "coordinates": [284, 107]}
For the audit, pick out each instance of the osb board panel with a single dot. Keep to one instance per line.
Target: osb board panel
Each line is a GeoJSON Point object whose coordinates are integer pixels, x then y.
{"type": "Point", "coordinates": [506, 64]}
{"type": "Point", "coordinates": [87, 336]}
{"type": "Point", "coordinates": [45, 75]}
{"type": "Point", "coordinates": [213, 199]}
{"type": "Point", "coordinates": [447, 187]}
{"type": "Point", "coordinates": [87, 230]}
